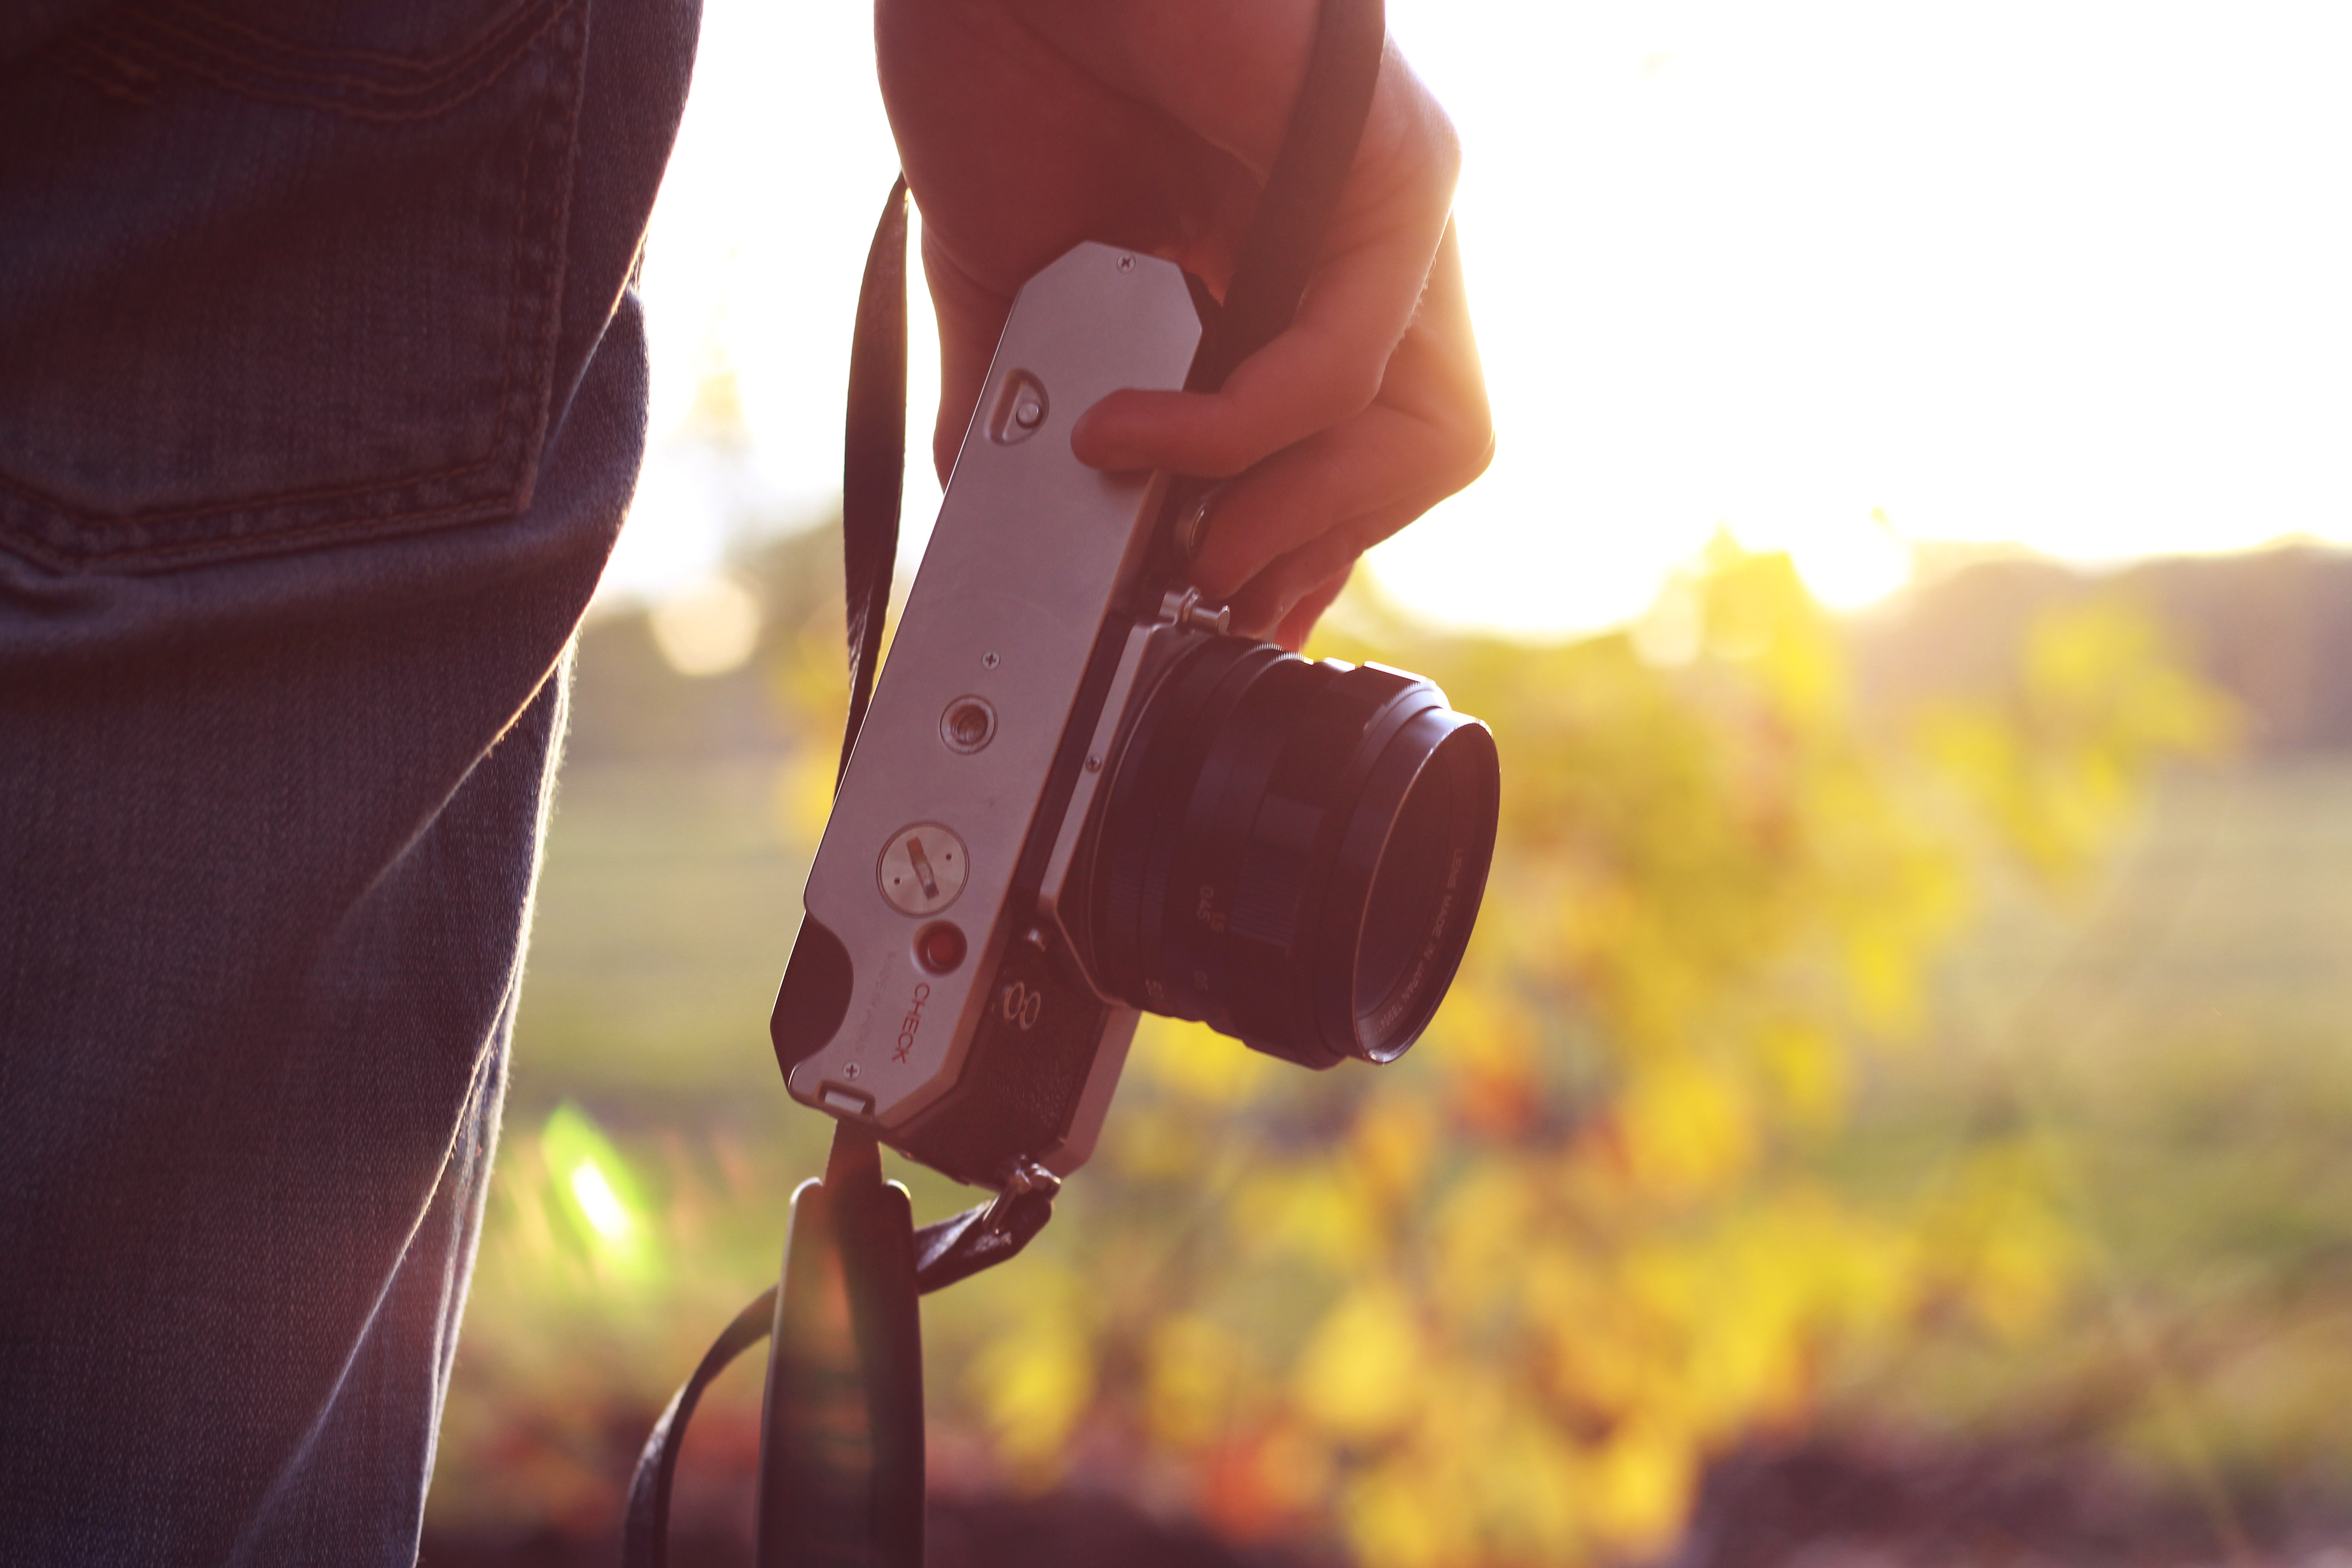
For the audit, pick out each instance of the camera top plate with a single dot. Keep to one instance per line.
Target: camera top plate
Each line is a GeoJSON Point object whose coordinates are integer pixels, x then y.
{"type": "Point", "coordinates": [1033, 551]}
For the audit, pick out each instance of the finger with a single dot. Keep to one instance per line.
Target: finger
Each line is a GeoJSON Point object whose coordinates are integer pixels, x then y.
{"type": "Point", "coordinates": [1264, 603]}
{"type": "Point", "coordinates": [1327, 366]}
{"type": "Point", "coordinates": [1299, 623]}
{"type": "Point", "coordinates": [1380, 460]}
{"type": "Point", "coordinates": [1431, 434]}
{"type": "Point", "coordinates": [971, 319]}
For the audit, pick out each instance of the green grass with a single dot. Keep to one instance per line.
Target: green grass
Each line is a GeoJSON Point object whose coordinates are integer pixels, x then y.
{"type": "Point", "coordinates": [2174, 1045]}
{"type": "Point", "coordinates": [2173, 1040]}
{"type": "Point", "coordinates": [666, 906]}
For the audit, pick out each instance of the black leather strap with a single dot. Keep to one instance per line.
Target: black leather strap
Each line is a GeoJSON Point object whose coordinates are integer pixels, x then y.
{"type": "Point", "coordinates": [842, 1443]}
{"type": "Point", "coordinates": [1302, 189]}
{"type": "Point", "coordinates": [874, 455]}
{"type": "Point", "coordinates": [645, 1533]}
{"type": "Point", "coordinates": [940, 1255]}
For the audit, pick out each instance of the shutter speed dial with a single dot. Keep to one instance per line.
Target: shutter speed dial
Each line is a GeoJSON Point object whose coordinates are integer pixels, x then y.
{"type": "Point", "coordinates": [922, 869]}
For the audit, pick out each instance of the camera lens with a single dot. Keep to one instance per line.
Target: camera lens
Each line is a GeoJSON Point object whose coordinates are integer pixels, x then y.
{"type": "Point", "coordinates": [1294, 853]}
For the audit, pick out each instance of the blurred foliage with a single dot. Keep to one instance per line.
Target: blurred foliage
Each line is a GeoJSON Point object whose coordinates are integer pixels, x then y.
{"type": "Point", "coordinates": [2096, 700]}
{"type": "Point", "coordinates": [1501, 1303]}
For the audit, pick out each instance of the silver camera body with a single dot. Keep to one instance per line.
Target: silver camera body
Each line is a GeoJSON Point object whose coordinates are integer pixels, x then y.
{"type": "Point", "coordinates": [955, 985]}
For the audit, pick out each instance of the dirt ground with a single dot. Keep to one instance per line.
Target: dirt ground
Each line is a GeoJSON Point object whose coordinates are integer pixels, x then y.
{"type": "Point", "coordinates": [1820, 1504]}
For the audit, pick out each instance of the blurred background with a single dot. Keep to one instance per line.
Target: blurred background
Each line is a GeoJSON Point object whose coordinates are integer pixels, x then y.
{"type": "Point", "coordinates": [1897, 1108]}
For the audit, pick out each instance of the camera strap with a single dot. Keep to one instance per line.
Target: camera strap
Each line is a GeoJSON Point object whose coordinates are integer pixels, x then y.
{"type": "Point", "coordinates": [841, 1449]}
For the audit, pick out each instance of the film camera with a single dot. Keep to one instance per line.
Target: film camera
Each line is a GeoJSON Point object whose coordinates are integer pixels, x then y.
{"type": "Point", "coordinates": [1075, 797]}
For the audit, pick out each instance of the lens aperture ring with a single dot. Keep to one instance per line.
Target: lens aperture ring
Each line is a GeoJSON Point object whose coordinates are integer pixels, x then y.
{"type": "Point", "coordinates": [1151, 786]}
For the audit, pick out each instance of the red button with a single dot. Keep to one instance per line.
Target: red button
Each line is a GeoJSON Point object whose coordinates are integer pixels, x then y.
{"type": "Point", "coordinates": [939, 947]}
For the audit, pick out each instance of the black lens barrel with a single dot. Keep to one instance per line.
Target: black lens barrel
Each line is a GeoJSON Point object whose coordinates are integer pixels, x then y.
{"type": "Point", "coordinates": [1294, 853]}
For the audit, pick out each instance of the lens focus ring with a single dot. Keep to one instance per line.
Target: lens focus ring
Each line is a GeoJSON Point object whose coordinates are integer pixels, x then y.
{"type": "Point", "coordinates": [1294, 853]}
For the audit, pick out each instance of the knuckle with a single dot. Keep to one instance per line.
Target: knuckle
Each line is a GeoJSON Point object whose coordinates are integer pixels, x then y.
{"type": "Point", "coordinates": [1352, 388]}
{"type": "Point", "coordinates": [1326, 479]}
{"type": "Point", "coordinates": [1433, 156]}
{"type": "Point", "coordinates": [1456, 454]}
{"type": "Point", "coordinates": [1443, 157]}
{"type": "Point", "coordinates": [1474, 457]}
{"type": "Point", "coordinates": [1421, 143]}
{"type": "Point", "coordinates": [1221, 452]}
{"type": "Point", "coordinates": [1348, 371]}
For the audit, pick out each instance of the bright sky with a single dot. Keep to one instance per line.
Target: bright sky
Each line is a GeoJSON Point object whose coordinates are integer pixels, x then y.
{"type": "Point", "coordinates": [1835, 276]}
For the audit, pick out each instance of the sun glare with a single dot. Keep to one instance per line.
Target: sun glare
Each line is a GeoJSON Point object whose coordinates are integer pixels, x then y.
{"type": "Point", "coordinates": [1832, 276]}
{"type": "Point", "coordinates": [599, 1202]}
{"type": "Point", "coordinates": [708, 627]}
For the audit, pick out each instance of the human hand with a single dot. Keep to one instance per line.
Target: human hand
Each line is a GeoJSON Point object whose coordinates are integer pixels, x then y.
{"type": "Point", "coordinates": [1025, 126]}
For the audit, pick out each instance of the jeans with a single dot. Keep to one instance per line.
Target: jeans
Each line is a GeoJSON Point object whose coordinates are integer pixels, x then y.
{"type": "Point", "coordinates": [322, 397]}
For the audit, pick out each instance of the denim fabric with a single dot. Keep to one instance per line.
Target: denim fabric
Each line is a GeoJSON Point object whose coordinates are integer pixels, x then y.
{"type": "Point", "coordinates": [321, 396]}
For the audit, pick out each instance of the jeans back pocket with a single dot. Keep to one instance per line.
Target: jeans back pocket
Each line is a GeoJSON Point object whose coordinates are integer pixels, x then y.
{"type": "Point", "coordinates": [264, 287]}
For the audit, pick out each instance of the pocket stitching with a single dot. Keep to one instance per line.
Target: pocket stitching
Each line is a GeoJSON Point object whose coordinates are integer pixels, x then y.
{"type": "Point", "coordinates": [294, 498]}
{"type": "Point", "coordinates": [76, 548]}
{"type": "Point", "coordinates": [246, 74]}
{"type": "Point", "coordinates": [454, 59]}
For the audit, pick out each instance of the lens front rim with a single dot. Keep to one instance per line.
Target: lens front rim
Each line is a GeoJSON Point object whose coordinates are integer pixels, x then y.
{"type": "Point", "coordinates": [1436, 748]}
